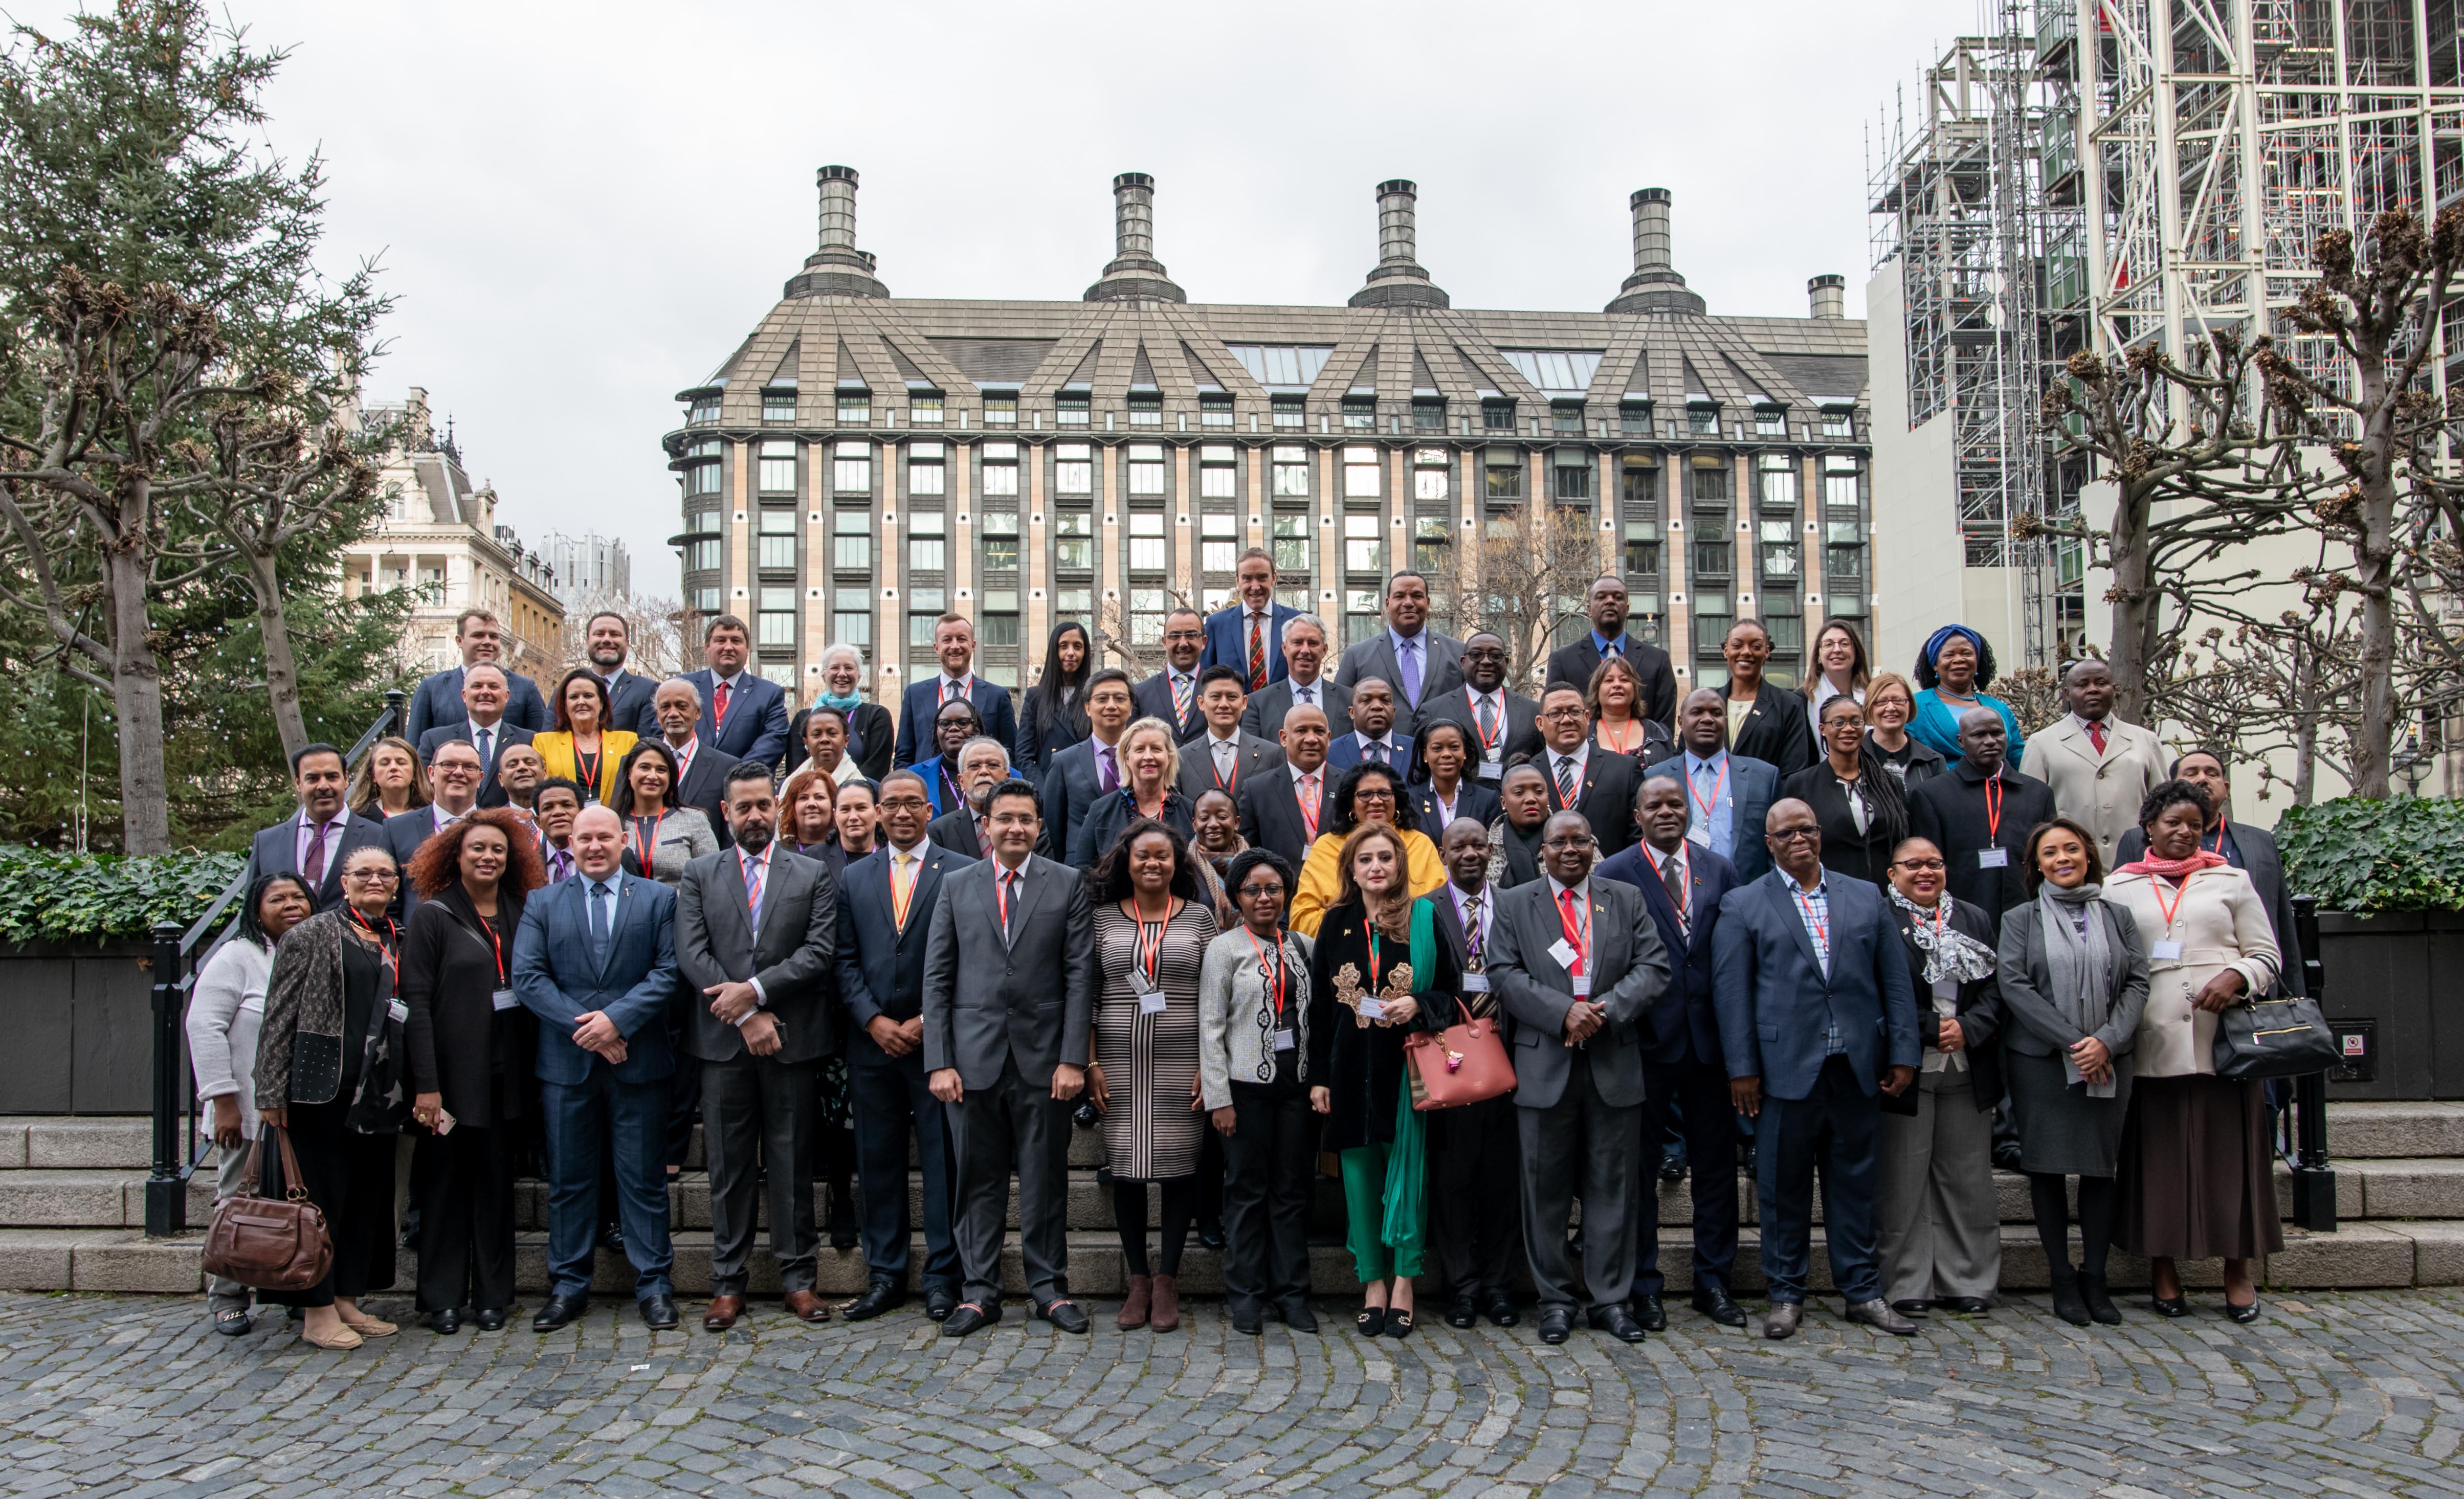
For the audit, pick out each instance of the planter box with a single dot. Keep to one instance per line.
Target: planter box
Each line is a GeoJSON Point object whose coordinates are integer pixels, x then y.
{"type": "Point", "coordinates": [80, 1019]}
{"type": "Point", "coordinates": [2405, 972]}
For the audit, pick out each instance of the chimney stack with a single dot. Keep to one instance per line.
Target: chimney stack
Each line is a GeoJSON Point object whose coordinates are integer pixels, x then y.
{"type": "Point", "coordinates": [1135, 275]}
{"type": "Point", "coordinates": [1829, 294]}
{"type": "Point", "coordinates": [1398, 280]}
{"type": "Point", "coordinates": [837, 267]}
{"type": "Point", "coordinates": [1655, 285]}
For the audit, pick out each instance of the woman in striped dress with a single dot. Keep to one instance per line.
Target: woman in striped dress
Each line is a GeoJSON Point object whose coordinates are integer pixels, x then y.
{"type": "Point", "coordinates": [1151, 928]}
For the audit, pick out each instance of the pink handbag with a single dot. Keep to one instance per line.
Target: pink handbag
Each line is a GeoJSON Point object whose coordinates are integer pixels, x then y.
{"type": "Point", "coordinates": [1462, 1064]}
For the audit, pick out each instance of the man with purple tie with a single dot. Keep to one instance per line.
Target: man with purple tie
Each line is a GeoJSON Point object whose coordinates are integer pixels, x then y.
{"type": "Point", "coordinates": [1418, 662]}
{"type": "Point", "coordinates": [1089, 770]}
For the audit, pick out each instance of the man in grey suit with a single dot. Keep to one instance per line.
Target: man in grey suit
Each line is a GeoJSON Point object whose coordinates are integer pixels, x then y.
{"type": "Point", "coordinates": [1423, 664]}
{"type": "Point", "coordinates": [314, 842]}
{"type": "Point", "coordinates": [1007, 1051]}
{"type": "Point", "coordinates": [1305, 651]}
{"type": "Point", "coordinates": [1578, 1054]}
{"type": "Point", "coordinates": [756, 939]}
{"type": "Point", "coordinates": [1222, 756]}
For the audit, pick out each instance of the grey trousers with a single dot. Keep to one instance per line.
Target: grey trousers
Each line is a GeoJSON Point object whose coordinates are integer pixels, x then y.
{"type": "Point", "coordinates": [993, 1128]}
{"type": "Point", "coordinates": [1940, 1226]}
{"type": "Point", "coordinates": [229, 1170]}
{"type": "Point", "coordinates": [759, 1113]}
{"type": "Point", "coordinates": [1580, 1134]}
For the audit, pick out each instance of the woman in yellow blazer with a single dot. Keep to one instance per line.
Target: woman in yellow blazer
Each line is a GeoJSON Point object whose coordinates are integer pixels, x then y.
{"type": "Point", "coordinates": [1369, 792]}
{"type": "Point", "coordinates": [581, 748]}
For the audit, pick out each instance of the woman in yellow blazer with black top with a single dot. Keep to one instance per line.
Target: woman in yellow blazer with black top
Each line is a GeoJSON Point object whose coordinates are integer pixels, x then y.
{"type": "Point", "coordinates": [581, 748]}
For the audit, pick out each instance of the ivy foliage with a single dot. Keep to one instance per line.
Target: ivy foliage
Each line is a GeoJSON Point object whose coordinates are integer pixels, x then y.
{"type": "Point", "coordinates": [2354, 854]}
{"type": "Point", "coordinates": [47, 897]}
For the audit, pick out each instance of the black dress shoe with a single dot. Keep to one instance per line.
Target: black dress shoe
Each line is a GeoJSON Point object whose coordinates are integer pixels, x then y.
{"type": "Point", "coordinates": [1913, 1306]}
{"type": "Point", "coordinates": [2007, 1157]}
{"type": "Point", "coordinates": [1298, 1316]}
{"type": "Point", "coordinates": [967, 1316]}
{"type": "Point", "coordinates": [877, 1298]}
{"type": "Point", "coordinates": [1967, 1306]}
{"type": "Point", "coordinates": [1398, 1324]}
{"type": "Point", "coordinates": [1556, 1325]}
{"type": "Point", "coordinates": [1463, 1312]}
{"type": "Point", "coordinates": [1085, 1115]}
{"type": "Point", "coordinates": [1368, 1321]}
{"type": "Point", "coordinates": [232, 1321]}
{"type": "Point", "coordinates": [1064, 1316]}
{"type": "Point", "coordinates": [1712, 1301]}
{"type": "Point", "coordinates": [2169, 1306]}
{"type": "Point", "coordinates": [489, 1319]}
{"type": "Point", "coordinates": [1672, 1168]}
{"type": "Point", "coordinates": [1651, 1312]}
{"type": "Point", "coordinates": [659, 1313]}
{"type": "Point", "coordinates": [558, 1312]}
{"type": "Point", "coordinates": [1247, 1320]}
{"type": "Point", "coordinates": [1500, 1309]}
{"type": "Point", "coordinates": [612, 1238]}
{"type": "Point", "coordinates": [1211, 1235]}
{"type": "Point", "coordinates": [939, 1304]}
{"type": "Point", "coordinates": [1617, 1323]}
{"type": "Point", "coordinates": [444, 1324]}
{"type": "Point", "coordinates": [2243, 1312]}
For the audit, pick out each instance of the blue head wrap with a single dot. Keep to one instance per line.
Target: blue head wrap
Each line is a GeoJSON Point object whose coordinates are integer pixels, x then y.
{"type": "Point", "coordinates": [1939, 638]}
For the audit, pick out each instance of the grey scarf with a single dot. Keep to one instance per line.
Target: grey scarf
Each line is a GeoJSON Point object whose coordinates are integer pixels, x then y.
{"type": "Point", "coordinates": [2078, 960]}
{"type": "Point", "coordinates": [1949, 953]}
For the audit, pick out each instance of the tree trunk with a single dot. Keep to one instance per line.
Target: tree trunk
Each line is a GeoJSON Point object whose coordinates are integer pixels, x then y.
{"type": "Point", "coordinates": [281, 668]}
{"type": "Point", "coordinates": [137, 695]}
{"type": "Point", "coordinates": [2374, 571]}
{"type": "Point", "coordinates": [2134, 607]}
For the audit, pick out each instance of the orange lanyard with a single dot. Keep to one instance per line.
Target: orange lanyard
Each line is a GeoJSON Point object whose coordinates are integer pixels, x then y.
{"type": "Point", "coordinates": [385, 946]}
{"type": "Point", "coordinates": [1488, 741]}
{"type": "Point", "coordinates": [1270, 970]}
{"type": "Point", "coordinates": [2179, 891]}
{"type": "Point", "coordinates": [1147, 949]}
{"type": "Point", "coordinates": [1992, 806]}
{"type": "Point", "coordinates": [1222, 784]}
{"type": "Point", "coordinates": [1578, 933]}
{"type": "Point", "coordinates": [1708, 808]}
{"type": "Point", "coordinates": [1373, 961]}
{"type": "Point", "coordinates": [1821, 926]}
{"type": "Point", "coordinates": [644, 845]}
{"type": "Point", "coordinates": [2218, 847]}
{"type": "Point", "coordinates": [1622, 739]}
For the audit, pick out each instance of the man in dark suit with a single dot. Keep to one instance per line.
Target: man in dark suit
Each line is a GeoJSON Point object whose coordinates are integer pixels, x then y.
{"type": "Point", "coordinates": [1571, 666]}
{"type": "Point", "coordinates": [744, 713]}
{"type": "Point", "coordinates": [1009, 996]}
{"type": "Point", "coordinates": [1171, 694]}
{"type": "Point", "coordinates": [1583, 777]}
{"type": "Point", "coordinates": [1685, 1078]}
{"type": "Point", "coordinates": [1284, 810]}
{"type": "Point", "coordinates": [312, 843]}
{"type": "Point", "coordinates": [1577, 964]}
{"type": "Point", "coordinates": [701, 779]}
{"type": "Point", "coordinates": [954, 641]}
{"type": "Point", "coordinates": [596, 962]}
{"type": "Point", "coordinates": [886, 902]}
{"type": "Point", "coordinates": [1979, 814]}
{"type": "Point", "coordinates": [1247, 636]}
{"type": "Point", "coordinates": [1816, 1016]}
{"type": "Point", "coordinates": [1497, 724]}
{"type": "Point", "coordinates": [482, 727]}
{"type": "Point", "coordinates": [965, 829]}
{"type": "Point", "coordinates": [608, 640]}
{"type": "Point", "coordinates": [1091, 769]}
{"type": "Point", "coordinates": [1304, 656]}
{"type": "Point", "coordinates": [756, 939]}
{"type": "Point", "coordinates": [1222, 755]}
{"type": "Point", "coordinates": [1727, 795]}
{"type": "Point", "coordinates": [1421, 663]}
{"type": "Point", "coordinates": [453, 776]}
{"type": "Point", "coordinates": [438, 698]}
{"type": "Point", "coordinates": [1474, 1206]}
{"type": "Point", "coordinates": [1373, 735]}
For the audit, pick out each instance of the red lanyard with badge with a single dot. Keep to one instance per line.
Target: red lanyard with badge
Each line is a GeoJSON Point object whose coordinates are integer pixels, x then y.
{"type": "Point", "coordinates": [1711, 807]}
{"type": "Point", "coordinates": [1993, 856]}
{"type": "Point", "coordinates": [1146, 955]}
{"type": "Point", "coordinates": [1276, 975]}
{"type": "Point", "coordinates": [646, 839]}
{"type": "Point", "coordinates": [1820, 924]}
{"type": "Point", "coordinates": [395, 1009]}
{"type": "Point", "coordinates": [502, 999]}
{"type": "Point", "coordinates": [2168, 947]}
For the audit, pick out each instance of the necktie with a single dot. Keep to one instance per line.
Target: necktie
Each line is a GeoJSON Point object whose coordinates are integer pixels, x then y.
{"type": "Point", "coordinates": [1305, 697]}
{"type": "Point", "coordinates": [1672, 875]}
{"type": "Point", "coordinates": [719, 713]}
{"type": "Point", "coordinates": [312, 868]}
{"type": "Point", "coordinates": [1573, 922]}
{"type": "Point", "coordinates": [951, 687]}
{"type": "Point", "coordinates": [1309, 801]}
{"type": "Point", "coordinates": [1409, 669]}
{"type": "Point", "coordinates": [1487, 721]}
{"type": "Point", "coordinates": [1223, 749]}
{"type": "Point", "coordinates": [598, 920]}
{"type": "Point", "coordinates": [753, 868]}
{"type": "Point", "coordinates": [1614, 648]}
{"type": "Point", "coordinates": [1474, 960]}
{"type": "Point", "coordinates": [1111, 769]}
{"type": "Point", "coordinates": [902, 885]}
{"type": "Point", "coordinates": [480, 744]}
{"type": "Point", "coordinates": [1377, 751]}
{"type": "Point", "coordinates": [560, 863]}
{"type": "Point", "coordinates": [983, 839]}
{"type": "Point", "coordinates": [2095, 737]}
{"type": "Point", "coordinates": [1008, 894]}
{"type": "Point", "coordinates": [1182, 687]}
{"type": "Point", "coordinates": [1567, 781]}
{"type": "Point", "coordinates": [1257, 655]}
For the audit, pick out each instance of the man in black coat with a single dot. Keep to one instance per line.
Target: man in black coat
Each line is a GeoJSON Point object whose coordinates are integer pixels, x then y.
{"type": "Point", "coordinates": [1171, 694]}
{"type": "Point", "coordinates": [1223, 756]}
{"type": "Point", "coordinates": [2246, 847]}
{"type": "Point", "coordinates": [1304, 687]}
{"type": "Point", "coordinates": [1498, 724]}
{"type": "Point", "coordinates": [483, 727]}
{"type": "Point", "coordinates": [608, 641]}
{"type": "Point", "coordinates": [438, 697]}
{"type": "Point", "coordinates": [1091, 769]}
{"type": "Point", "coordinates": [1980, 814]}
{"type": "Point", "coordinates": [701, 781]}
{"type": "Point", "coordinates": [1571, 666]}
{"type": "Point", "coordinates": [1583, 777]}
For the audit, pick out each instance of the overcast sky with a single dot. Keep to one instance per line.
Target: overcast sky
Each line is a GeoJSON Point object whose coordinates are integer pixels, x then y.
{"type": "Point", "coordinates": [583, 208]}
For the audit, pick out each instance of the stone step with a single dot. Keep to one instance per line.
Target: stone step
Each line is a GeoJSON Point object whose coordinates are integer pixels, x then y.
{"type": "Point", "coordinates": [2398, 1129]}
{"type": "Point", "coordinates": [2358, 1256]}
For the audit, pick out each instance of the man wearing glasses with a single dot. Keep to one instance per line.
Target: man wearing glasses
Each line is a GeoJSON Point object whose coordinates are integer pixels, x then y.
{"type": "Point", "coordinates": [1582, 777]}
{"type": "Point", "coordinates": [1816, 1018]}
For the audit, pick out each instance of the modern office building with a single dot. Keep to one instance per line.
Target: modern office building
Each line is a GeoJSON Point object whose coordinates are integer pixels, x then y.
{"type": "Point", "coordinates": [862, 463]}
{"type": "Point", "coordinates": [588, 567]}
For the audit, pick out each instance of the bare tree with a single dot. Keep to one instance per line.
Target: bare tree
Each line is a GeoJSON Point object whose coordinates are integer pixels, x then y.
{"type": "Point", "coordinates": [664, 637]}
{"type": "Point", "coordinates": [1529, 575]}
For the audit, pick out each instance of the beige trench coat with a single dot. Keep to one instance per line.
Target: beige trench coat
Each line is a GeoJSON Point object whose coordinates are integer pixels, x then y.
{"type": "Point", "coordinates": [2220, 923]}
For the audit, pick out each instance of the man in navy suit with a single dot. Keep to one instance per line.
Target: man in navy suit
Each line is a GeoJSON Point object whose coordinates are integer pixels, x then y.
{"type": "Point", "coordinates": [1727, 796]}
{"type": "Point", "coordinates": [701, 775]}
{"type": "Point", "coordinates": [314, 841]}
{"type": "Point", "coordinates": [1248, 636]}
{"type": "Point", "coordinates": [1171, 694]}
{"type": "Point", "coordinates": [744, 713]}
{"type": "Point", "coordinates": [1583, 777]}
{"type": "Point", "coordinates": [596, 962]}
{"type": "Point", "coordinates": [608, 641]}
{"type": "Point", "coordinates": [482, 727]}
{"type": "Point", "coordinates": [1373, 735]}
{"type": "Point", "coordinates": [1686, 1079]}
{"type": "Point", "coordinates": [438, 698]}
{"type": "Point", "coordinates": [1091, 769]}
{"type": "Point", "coordinates": [1571, 666]}
{"type": "Point", "coordinates": [1816, 1016]}
{"type": "Point", "coordinates": [954, 641]}
{"type": "Point", "coordinates": [886, 903]}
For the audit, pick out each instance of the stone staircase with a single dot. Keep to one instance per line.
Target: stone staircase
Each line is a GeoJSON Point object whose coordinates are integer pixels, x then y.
{"type": "Point", "coordinates": [73, 1190]}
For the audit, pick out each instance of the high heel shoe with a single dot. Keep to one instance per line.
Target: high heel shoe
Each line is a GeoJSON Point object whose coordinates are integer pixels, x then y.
{"type": "Point", "coordinates": [2244, 1312]}
{"type": "Point", "coordinates": [1369, 1321]}
{"type": "Point", "coordinates": [2175, 1306]}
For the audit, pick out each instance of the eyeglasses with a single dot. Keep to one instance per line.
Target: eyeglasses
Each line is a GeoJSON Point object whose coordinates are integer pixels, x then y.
{"type": "Point", "coordinates": [1570, 841]}
{"type": "Point", "coordinates": [372, 876]}
{"type": "Point", "coordinates": [1364, 794]}
{"type": "Point", "coordinates": [1919, 864]}
{"type": "Point", "coordinates": [1792, 835]}
{"type": "Point", "coordinates": [1260, 892]}
{"type": "Point", "coordinates": [1574, 710]}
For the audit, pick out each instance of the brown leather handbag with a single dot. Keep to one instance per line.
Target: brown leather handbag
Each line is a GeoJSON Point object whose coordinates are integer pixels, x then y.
{"type": "Point", "coordinates": [1464, 1063]}
{"type": "Point", "coordinates": [270, 1242]}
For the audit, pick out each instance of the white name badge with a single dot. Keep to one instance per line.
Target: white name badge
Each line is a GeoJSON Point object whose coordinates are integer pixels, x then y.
{"type": "Point", "coordinates": [1564, 952]}
{"type": "Point", "coordinates": [1475, 983]}
{"type": "Point", "coordinates": [1286, 1041]}
{"type": "Point", "coordinates": [1372, 1010]}
{"type": "Point", "coordinates": [1992, 858]}
{"type": "Point", "coordinates": [503, 1000]}
{"type": "Point", "coordinates": [1582, 986]}
{"type": "Point", "coordinates": [2165, 950]}
{"type": "Point", "coordinates": [399, 1011]}
{"type": "Point", "coordinates": [1698, 836]}
{"type": "Point", "coordinates": [1150, 1003]}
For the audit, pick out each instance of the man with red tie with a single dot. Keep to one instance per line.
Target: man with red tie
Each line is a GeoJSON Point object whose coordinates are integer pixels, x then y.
{"type": "Point", "coordinates": [744, 713]}
{"type": "Point", "coordinates": [1283, 810]}
{"type": "Point", "coordinates": [1249, 635]}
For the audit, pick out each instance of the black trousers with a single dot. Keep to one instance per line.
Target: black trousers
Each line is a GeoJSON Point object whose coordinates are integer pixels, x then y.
{"type": "Point", "coordinates": [1012, 1124]}
{"type": "Point", "coordinates": [1692, 1098]}
{"type": "Point", "coordinates": [755, 1110]}
{"type": "Point", "coordinates": [462, 1185]}
{"type": "Point", "coordinates": [1475, 1222]}
{"type": "Point", "coordinates": [350, 1178]}
{"type": "Point", "coordinates": [1270, 1174]}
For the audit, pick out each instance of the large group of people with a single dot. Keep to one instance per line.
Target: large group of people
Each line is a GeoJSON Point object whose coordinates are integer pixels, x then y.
{"type": "Point", "coordinates": [1851, 933]}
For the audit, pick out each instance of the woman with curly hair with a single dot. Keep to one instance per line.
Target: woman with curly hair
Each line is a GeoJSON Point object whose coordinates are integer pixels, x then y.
{"type": "Point", "coordinates": [1953, 669]}
{"type": "Point", "coordinates": [1369, 792]}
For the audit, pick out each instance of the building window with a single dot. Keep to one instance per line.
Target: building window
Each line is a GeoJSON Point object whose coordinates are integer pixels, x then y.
{"type": "Point", "coordinates": [1779, 549]}
{"type": "Point", "coordinates": [1291, 473]}
{"type": "Point", "coordinates": [1497, 416]}
{"type": "Point", "coordinates": [999, 529]}
{"type": "Point", "coordinates": [1840, 486]}
{"type": "Point", "coordinates": [779, 406]}
{"type": "Point", "coordinates": [705, 601]}
{"type": "Point", "coordinates": [1001, 410]}
{"type": "Point", "coordinates": [1000, 475]}
{"type": "Point", "coordinates": [1360, 474]}
{"type": "Point", "coordinates": [1710, 560]}
{"type": "Point", "coordinates": [778, 541]}
{"type": "Point", "coordinates": [852, 626]}
{"type": "Point", "coordinates": [778, 617]}
{"type": "Point", "coordinates": [1429, 416]}
{"type": "Point", "coordinates": [1567, 417]}
{"type": "Point", "coordinates": [1634, 419]}
{"type": "Point", "coordinates": [703, 556]}
{"type": "Point", "coordinates": [1219, 548]}
{"type": "Point", "coordinates": [1770, 421]}
{"type": "Point", "coordinates": [1073, 469]}
{"type": "Point", "coordinates": [1504, 466]}
{"type": "Point", "coordinates": [1292, 541]}
{"type": "Point", "coordinates": [1430, 467]}
{"type": "Point", "coordinates": [1290, 411]}
{"type": "Point", "coordinates": [851, 541]}
{"type": "Point", "coordinates": [1214, 410]}
{"type": "Point", "coordinates": [1146, 411]}
{"type": "Point", "coordinates": [1078, 604]}
{"type": "Point", "coordinates": [1146, 470]}
{"type": "Point", "coordinates": [855, 407]}
{"type": "Point", "coordinates": [1787, 631]}
{"type": "Point", "coordinates": [1147, 609]}
{"type": "Point", "coordinates": [1846, 566]}
{"type": "Point", "coordinates": [1710, 622]}
{"type": "Point", "coordinates": [703, 412]}
{"type": "Point", "coordinates": [1362, 617]}
{"type": "Point", "coordinates": [1148, 553]}
{"type": "Point", "coordinates": [1431, 537]}
{"type": "Point", "coordinates": [851, 469]}
{"type": "Point", "coordinates": [1070, 409]}
{"type": "Point", "coordinates": [1073, 548]}
{"type": "Point", "coordinates": [1639, 488]}
{"type": "Point", "coordinates": [1778, 477]}
{"type": "Point", "coordinates": [777, 473]}
{"type": "Point", "coordinates": [1840, 422]}
{"type": "Point", "coordinates": [925, 474]}
{"type": "Point", "coordinates": [926, 550]}
{"type": "Point", "coordinates": [1360, 413]}
{"type": "Point", "coordinates": [923, 409]}
{"type": "Point", "coordinates": [1643, 548]}
{"type": "Point", "coordinates": [1703, 421]}
{"type": "Point", "coordinates": [1711, 489]}
{"type": "Point", "coordinates": [702, 478]}
{"type": "Point", "coordinates": [1573, 479]}
{"type": "Point", "coordinates": [1217, 473]}
{"type": "Point", "coordinates": [1364, 543]}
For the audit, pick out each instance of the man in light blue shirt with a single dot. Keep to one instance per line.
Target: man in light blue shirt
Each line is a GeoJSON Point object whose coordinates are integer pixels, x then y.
{"type": "Point", "coordinates": [1723, 792]}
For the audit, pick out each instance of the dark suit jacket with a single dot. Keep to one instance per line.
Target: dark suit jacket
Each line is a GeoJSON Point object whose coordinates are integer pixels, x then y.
{"type": "Point", "coordinates": [1151, 699]}
{"type": "Point", "coordinates": [2253, 850]}
{"type": "Point", "coordinates": [1227, 641]}
{"type": "Point", "coordinates": [629, 704]}
{"type": "Point", "coordinates": [1629, 972]}
{"type": "Point", "coordinates": [1255, 756]}
{"type": "Point", "coordinates": [1039, 746]}
{"type": "Point", "coordinates": [705, 786]}
{"type": "Point", "coordinates": [1776, 1001]}
{"type": "Point", "coordinates": [992, 705]}
{"type": "Point", "coordinates": [1776, 732]}
{"type": "Point", "coordinates": [1440, 670]}
{"type": "Point", "coordinates": [881, 966]}
{"type": "Point", "coordinates": [1862, 856]}
{"type": "Point", "coordinates": [438, 699]}
{"type": "Point", "coordinates": [404, 833]}
{"type": "Point", "coordinates": [1978, 1008]}
{"type": "Point", "coordinates": [1609, 784]}
{"type": "Point", "coordinates": [1472, 800]}
{"type": "Point", "coordinates": [508, 733]}
{"type": "Point", "coordinates": [1753, 787]}
{"type": "Point", "coordinates": [455, 1036]}
{"type": "Point", "coordinates": [1518, 734]}
{"type": "Point", "coordinates": [957, 831]}
{"type": "Point", "coordinates": [1686, 1024]}
{"type": "Point", "coordinates": [557, 980]}
{"type": "Point", "coordinates": [1071, 784]}
{"type": "Point", "coordinates": [1270, 815]}
{"type": "Point", "coordinates": [1571, 666]}
{"type": "Point", "coordinates": [1448, 923]}
{"type": "Point", "coordinates": [793, 957]}
{"type": "Point", "coordinates": [1265, 715]}
{"type": "Point", "coordinates": [1029, 998]}
{"type": "Point", "coordinates": [870, 738]}
{"type": "Point", "coordinates": [275, 850]}
{"type": "Point", "coordinates": [1345, 752]}
{"type": "Point", "coordinates": [1110, 814]}
{"type": "Point", "coordinates": [757, 719]}
{"type": "Point", "coordinates": [1951, 809]}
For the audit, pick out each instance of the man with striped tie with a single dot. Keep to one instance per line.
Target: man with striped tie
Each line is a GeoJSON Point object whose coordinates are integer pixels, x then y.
{"type": "Point", "coordinates": [1249, 635]}
{"type": "Point", "coordinates": [1171, 694]}
{"type": "Point", "coordinates": [1582, 777]}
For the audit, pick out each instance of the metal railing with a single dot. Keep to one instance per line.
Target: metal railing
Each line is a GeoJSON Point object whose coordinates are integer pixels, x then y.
{"type": "Point", "coordinates": [179, 955]}
{"type": "Point", "coordinates": [2302, 1124]}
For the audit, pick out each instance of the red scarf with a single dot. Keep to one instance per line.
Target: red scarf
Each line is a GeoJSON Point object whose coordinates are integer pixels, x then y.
{"type": "Point", "coordinates": [2175, 869]}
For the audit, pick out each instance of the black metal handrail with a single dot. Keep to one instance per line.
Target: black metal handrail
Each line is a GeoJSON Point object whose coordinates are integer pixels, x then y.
{"type": "Point", "coordinates": [180, 954]}
{"type": "Point", "coordinates": [2314, 1175]}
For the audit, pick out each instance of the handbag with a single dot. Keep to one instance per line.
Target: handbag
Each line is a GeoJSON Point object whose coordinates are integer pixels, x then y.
{"type": "Point", "coordinates": [1464, 1063]}
{"type": "Point", "coordinates": [270, 1242]}
{"type": "Point", "coordinates": [2284, 1035]}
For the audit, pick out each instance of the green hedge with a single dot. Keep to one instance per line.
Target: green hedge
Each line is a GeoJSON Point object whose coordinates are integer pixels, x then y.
{"type": "Point", "coordinates": [2403, 855]}
{"type": "Point", "coordinates": [70, 898]}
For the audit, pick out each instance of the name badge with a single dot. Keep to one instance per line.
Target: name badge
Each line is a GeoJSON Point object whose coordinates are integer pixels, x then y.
{"type": "Point", "coordinates": [1992, 858]}
{"type": "Point", "coordinates": [1564, 952]}
{"type": "Point", "coordinates": [398, 1011]}
{"type": "Point", "coordinates": [2166, 950]}
{"type": "Point", "coordinates": [1475, 983]}
{"type": "Point", "coordinates": [503, 1000]}
{"type": "Point", "coordinates": [1372, 1010]}
{"type": "Point", "coordinates": [1151, 1003]}
{"type": "Point", "coordinates": [1582, 986]}
{"type": "Point", "coordinates": [1286, 1041]}
{"type": "Point", "coordinates": [1698, 836]}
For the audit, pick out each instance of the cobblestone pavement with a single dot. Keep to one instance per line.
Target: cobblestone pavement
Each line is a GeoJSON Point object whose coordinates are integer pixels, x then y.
{"type": "Point", "coordinates": [2347, 1394]}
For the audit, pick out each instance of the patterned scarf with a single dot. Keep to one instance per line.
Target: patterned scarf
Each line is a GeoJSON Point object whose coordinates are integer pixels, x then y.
{"type": "Point", "coordinates": [2175, 869]}
{"type": "Point", "coordinates": [1949, 953]}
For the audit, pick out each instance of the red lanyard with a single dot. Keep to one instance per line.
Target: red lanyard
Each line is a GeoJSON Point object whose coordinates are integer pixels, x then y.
{"type": "Point", "coordinates": [2179, 891]}
{"type": "Point", "coordinates": [1373, 961]}
{"type": "Point", "coordinates": [1578, 932]}
{"type": "Point", "coordinates": [1706, 809]}
{"type": "Point", "coordinates": [1270, 970]}
{"type": "Point", "coordinates": [385, 945]}
{"type": "Point", "coordinates": [2218, 847]}
{"type": "Point", "coordinates": [1992, 806]}
{"type": "Point", "coordinates": [494, 942]}
{"type": "Point", "coordinates": [588, 765]}
{"type": "Point", "coordinates": [1488, 741]}
{"type": "Point", "coordinates": [1623, 745]}
{"type": "Point", "coordinates": [1222, 784]}
{"type": "Point", "coordinates": [644, 846]}
{"type": "Point", "coordinates": [1821, 927]}
{"type": "Point", "coordinates": [1147, 950]}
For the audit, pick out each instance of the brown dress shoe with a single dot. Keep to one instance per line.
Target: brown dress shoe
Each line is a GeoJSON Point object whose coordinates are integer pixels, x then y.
{"type": "Point", "coordinates": [1165, 1314]}
{"type": "Point", "coordinates": [806, 1306]}
{"type": "Point", "coordinates": [1133, 1306]}
{"type": "Point", "coordinates": [723, 1314]}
